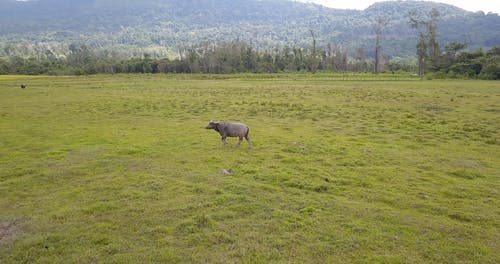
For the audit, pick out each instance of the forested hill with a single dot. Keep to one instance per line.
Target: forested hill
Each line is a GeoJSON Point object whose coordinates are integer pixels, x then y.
{"type": "Point", "coordinates": [129, 28]}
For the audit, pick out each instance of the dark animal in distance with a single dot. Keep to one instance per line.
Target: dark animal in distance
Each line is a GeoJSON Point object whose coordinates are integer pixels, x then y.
{"type": "Point", "coordinates": [227, 129]}
{"type": "Point", "coordinates": [23, 86]}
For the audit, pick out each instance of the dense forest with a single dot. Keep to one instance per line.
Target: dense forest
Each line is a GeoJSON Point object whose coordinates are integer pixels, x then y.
{"type": "Point", "coordinates": [129, 28]}
{"type": "Point", "coordinates": [227, 36]}
{"type": "Point", "coordinates": [238, 57]}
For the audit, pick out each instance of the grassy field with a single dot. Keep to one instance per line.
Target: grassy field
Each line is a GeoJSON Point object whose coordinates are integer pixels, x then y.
{"type": "Point", "coordinates": [119, 169]}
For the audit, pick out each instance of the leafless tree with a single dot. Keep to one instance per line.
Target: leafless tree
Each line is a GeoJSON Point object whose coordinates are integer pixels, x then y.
{"type": "Point", "coordinates": [378, 27]}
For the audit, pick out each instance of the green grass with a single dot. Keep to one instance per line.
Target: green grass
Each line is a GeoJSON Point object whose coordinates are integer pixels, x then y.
{"type": "Point", "coordinates": [119, 169]}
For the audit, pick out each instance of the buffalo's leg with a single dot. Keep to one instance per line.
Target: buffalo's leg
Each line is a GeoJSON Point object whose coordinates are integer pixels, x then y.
{"type": "Point", "coordinates": [224, 141]}
{"type": "Point", "coordinates": [239, 141]}
{"type": "Point", "coordinates": [247, 137]}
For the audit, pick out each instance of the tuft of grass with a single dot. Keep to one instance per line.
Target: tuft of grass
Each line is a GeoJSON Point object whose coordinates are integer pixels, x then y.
{"type": "Point", "coordinates": [344, 169]}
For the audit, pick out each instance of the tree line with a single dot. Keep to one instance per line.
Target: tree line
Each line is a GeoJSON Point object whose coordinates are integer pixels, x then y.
{"type": "Point", "coordinates": [214, 58]}
{"type": "Point", "coordinates": [452, 61]}
{"type": "Point", "coordinates": [239, 57]}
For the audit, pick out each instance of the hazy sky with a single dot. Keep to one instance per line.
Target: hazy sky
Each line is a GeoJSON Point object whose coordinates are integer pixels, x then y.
{"type": "Point", "coordinates": [470, 5]}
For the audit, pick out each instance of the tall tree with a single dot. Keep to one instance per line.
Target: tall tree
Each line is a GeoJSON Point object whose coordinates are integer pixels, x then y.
{"type": "Point", "coordinates": [428, 51]}
{"type": "Point", "coordinates": [422, 55]}
{"type": "Point", "coordinates": [378, 27]}
{"type": "Point", "coordinates": [416, 22]}
{"type": "Point", "coordinates": [433, 45]}
{"type": "Point", "coordinates": [313, 61]}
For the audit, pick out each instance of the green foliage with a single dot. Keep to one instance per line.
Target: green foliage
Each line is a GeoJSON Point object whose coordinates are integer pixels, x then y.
{"type": "Point", "coordinates": [119, 169]}
{"type": "Point", "coordinates": [127, 29]}
{"type": "Point", "coordinates": [408, 64]}
{"type": "Point", "coordinates": [468, 64]}
{"type": "Point", "coordinates": [451, 63]}
{"type": "Point", "coordinates": [239, 57]}
{"type": "Point", "coordinates": [231, 57]}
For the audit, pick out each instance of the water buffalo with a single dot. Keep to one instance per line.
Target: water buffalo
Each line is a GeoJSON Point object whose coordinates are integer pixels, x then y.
{"type": "Point", "coordinates": [23, 85]}
{"type": "Point", "coordinates": [227, 129]}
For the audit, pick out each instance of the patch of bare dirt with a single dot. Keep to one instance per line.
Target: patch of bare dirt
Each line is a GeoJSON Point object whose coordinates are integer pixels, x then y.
{"type": "Point", "coordinates": [8, 231]}
{"type": "Point", "coordinates": [469, 164]}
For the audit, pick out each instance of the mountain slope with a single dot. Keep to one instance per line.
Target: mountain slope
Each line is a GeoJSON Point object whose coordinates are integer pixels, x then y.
{"type": "Point", "coordinates": [161, 27]}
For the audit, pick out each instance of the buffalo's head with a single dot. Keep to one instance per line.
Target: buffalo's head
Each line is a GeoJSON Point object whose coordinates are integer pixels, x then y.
{"type": "Point", "coordinates": [212, 125]}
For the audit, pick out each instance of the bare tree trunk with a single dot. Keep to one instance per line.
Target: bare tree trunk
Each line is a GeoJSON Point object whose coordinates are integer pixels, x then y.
{"type": "Point", "coordinates": [421, 67]}
{"type": "Point", "coordinates": [377, 55]}
{"type": "Point", "coordinates": [378, 27]}
{"type": "Point", "coordinates": [313, 58]}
